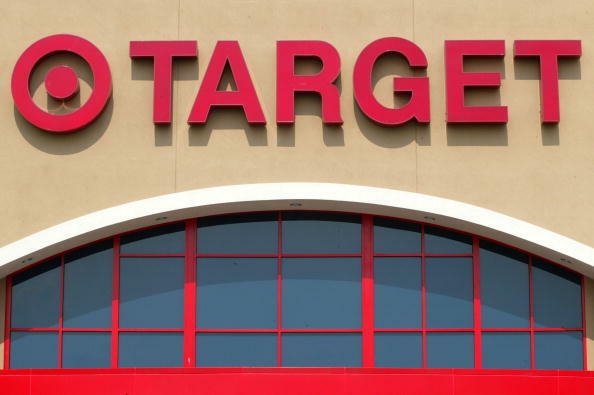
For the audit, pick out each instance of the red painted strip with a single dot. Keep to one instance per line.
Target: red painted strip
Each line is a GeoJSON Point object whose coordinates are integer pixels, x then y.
{"type": "Point", "coordinates": [288, 381]}
{"type": "Point", "coordinates": [190, 295]}
{"type": "Point", "coordinates": [367, 291]}
{"type": "Point", "coordinates": [7, 323]}
{"type": "Point", "coordinates": [115, 303]}
{"type": "Point", "coordinates": [476, 268]}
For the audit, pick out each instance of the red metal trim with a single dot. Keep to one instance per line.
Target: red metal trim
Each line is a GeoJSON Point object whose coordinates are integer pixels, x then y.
{"type": "Point", "coordinates": [7, 317]}
{"type": "Point", "coordinates": [236, 255]}
{"type": "Point", "coordinates": [190, 295]}
{"type": "Point", "coordinates": [149, 330]}
{"type": "Point", "coordinates": [584, 333]}
{"type": "Point", "coordinates": [531, 302]}
{"type": "Point", "coordinates": [423, 298]}
{"type": "Point", "coordinates": [152, 255]}
{"type": "Point", "coordinates": [115, 300]}
{"type": "Point", "coordinates": [61, 317]}
{"type": "Point", "coordinates": [428, 330]}
{"type": "Point", "coordinates": [279, 291]}
{"type": "Point", "coordinates": [478, 350]}
{"type": "Point", "coordinates": [115, 303]}
{"type": "Point", "coordinates": [320, 211]}
{"type": "Point", "coordinates": [367, 292]}
{"type": "Point", "coordinates": [427, 255]}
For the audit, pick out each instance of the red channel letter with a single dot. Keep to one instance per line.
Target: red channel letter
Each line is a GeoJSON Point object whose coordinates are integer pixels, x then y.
{"type": "Point", "coordinates": [287, 82]}
{"type": "Point", "coordinates": [457, 80]}
{"type": "Point", "coordinates": [417, 107]}
{"type": "Point", "coordinates": [245, 96]}
{"type": "Point", "coordinates": [548, 51]}
{"type": "Point", "coordinates": [163, 53]}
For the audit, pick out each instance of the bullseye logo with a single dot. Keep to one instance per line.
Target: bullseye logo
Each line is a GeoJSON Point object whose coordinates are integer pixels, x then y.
{"type": "Point", "coordinates": [61, 83]}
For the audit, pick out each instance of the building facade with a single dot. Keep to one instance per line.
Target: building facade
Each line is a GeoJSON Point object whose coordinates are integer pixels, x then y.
{"type": "Point", "coordinates": [297, 197]}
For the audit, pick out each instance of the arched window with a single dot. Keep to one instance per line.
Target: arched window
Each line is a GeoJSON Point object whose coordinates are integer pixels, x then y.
{"type": "Point", "coordinates": [295, 289]}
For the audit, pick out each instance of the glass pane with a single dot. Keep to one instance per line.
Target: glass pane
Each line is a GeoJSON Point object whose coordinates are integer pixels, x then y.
{"type": "Point", "coordinates": [35, 296]}
{"type": "Point", "coordinates": [34, 350]}
{"type": "Point", "coordinates": [321, 349]}
{"type": "Point", "coordinates": [236, 349]}
{"type": "Point", "coordinates": [506, 350]}
{"type": "Point", "coordinates": [396, 237]}
{"type": "Point", "coordinates": [168, 239]}
{"type": "Point", "coordinates": [397, 292]}
{"type": "Point", "coordinates": [237, 293]}
{"type": "Point", "coordinates": [321, 233]}
{"type": "Point", "coordinates": [450, 350]}
{"type": "Point", "coordinates": [87, 287]}
{"type": "Point", "coordinates": [442, 241]}
{"type": "Point", "coordinates": [151, 350]}
{"type": "Point", "coordinates": [86, 350]}
{"type": "Point", "coordinates": [449, 293]}
{"type": "Point", "coordinates": [151, 293]}
{"type": "Point", "coordinates": [238, 234]}
{"type": "Point", "coordinates": [558, 350]}
{"type": "Point", "coordinates": [557, 296]}
{"type": "Point", "coordinates": [321, 293]}
{"type": "Point", "coordinates": [398, 350]}
{"type": "Point", "coordinates": [505, 288]}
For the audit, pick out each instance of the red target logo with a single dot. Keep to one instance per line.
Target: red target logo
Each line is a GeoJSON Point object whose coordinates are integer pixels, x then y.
{"type": "Point", "coordinates": [61, 83]}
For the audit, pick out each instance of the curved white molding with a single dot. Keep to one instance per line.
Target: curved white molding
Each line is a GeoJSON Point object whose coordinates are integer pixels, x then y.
{"type": "Point", "coordinates": [314, 196]}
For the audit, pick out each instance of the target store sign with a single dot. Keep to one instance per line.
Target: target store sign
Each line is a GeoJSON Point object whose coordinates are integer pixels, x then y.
{"type": "Point", "coordinates": [61, 82]}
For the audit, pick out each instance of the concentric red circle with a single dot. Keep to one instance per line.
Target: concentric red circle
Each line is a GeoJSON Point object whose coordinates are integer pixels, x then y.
{"type": "Point", "coordinates": [85, 114]}
{"type": "Point", "coordinates": [61, 82]}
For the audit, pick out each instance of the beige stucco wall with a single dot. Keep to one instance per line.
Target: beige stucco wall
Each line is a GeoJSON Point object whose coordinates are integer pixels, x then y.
{"type": "Point", "coordinates": [542, 175]}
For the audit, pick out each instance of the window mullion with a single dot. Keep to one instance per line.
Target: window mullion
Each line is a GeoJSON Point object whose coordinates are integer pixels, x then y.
{"type": "Point", "coordinates": [190, 295]}
{"type": "Point", "coordinates": [367, 294]}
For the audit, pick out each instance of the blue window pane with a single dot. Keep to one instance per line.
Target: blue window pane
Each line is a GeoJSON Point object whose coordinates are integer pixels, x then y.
{"type": "Point", "coordinates": [87, 287]}
{"type": "Point", "coordinates": [506, 350]}
{"type": "Point", "coordinates": [86, 350]}
{"type": "Point", "coordinates": [169, 239]}
{"type": "Point", "coordinates": [449, 293]}
{"type": "Point", "coordinates": [236, 349]}
{"type": "Point", "coordinates": [237, 293]}
{"type": "Point", "coordinates": [450, 350]}
{"type": "Point", "coordinates": [238, 234]}
{"type": "Point", "coordinates": [36, 296]}
{"type": "Point", "coordinates": [558, 350]}
{"type": "Point", "coordinates": [505, 288]}
{"type": "Point", "coordinates": [151, 350]}
{"type": "Point", "coordinates": [321, 349]}
{"type": "Point", "coordinates": [396, 237]}
{"type": "Point", "coordinates": [441, 241]}
{"type": "Point", "coordinates": [34, 350]}
{"type": "Point", "coordinates": [398, 350]}
{"type": "Point", "coordinates": [321, 233]}
{"type": "Point", "coordinates": [557, 296]}
{"type": "Point", "coordinates": [397, 292]}
{"type": "Point", "coordinates": [321, 293]}
{"type": "Point", "coordinates": [151, 293]}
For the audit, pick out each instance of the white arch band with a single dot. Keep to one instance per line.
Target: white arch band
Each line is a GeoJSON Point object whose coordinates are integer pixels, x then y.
{"type": "Point", "coordinates": [298, 195]}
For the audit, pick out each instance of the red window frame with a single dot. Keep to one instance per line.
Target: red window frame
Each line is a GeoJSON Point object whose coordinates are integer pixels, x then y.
{"type": "Point", "coordinates": [367, 329]}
